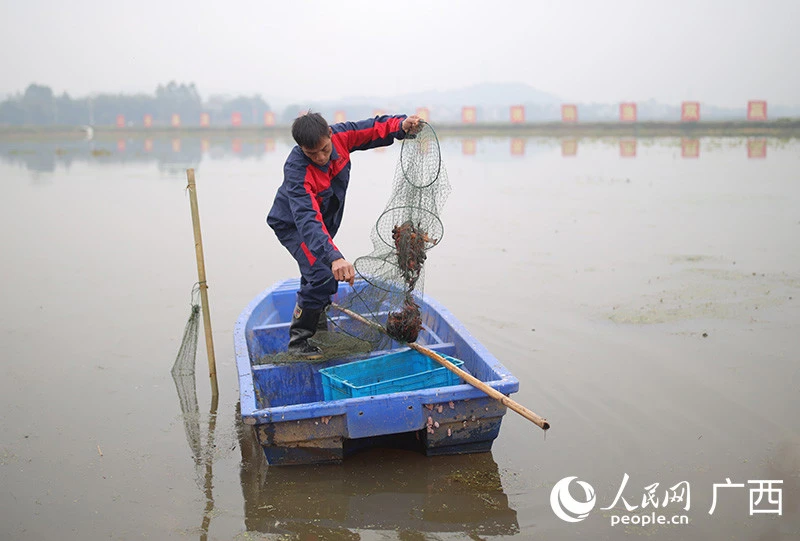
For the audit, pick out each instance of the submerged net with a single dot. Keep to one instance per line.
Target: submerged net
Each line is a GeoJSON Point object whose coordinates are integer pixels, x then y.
{"type": "Point", "coordinates": [393, 273]}
{"type": "Point", "coordinates": [184, 378]}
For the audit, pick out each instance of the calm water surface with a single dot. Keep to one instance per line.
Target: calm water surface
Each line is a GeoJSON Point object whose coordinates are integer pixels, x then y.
{"type": "Point", "coordinates": [646, 295]}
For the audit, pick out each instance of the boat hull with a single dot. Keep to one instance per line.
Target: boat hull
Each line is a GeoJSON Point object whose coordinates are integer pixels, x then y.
{"type": "Point", "coordinates": [294, 424]}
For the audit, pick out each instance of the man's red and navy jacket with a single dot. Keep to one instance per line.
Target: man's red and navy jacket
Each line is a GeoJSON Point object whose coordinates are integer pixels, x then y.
{"type": "Point", "coordinates": [311, 199]}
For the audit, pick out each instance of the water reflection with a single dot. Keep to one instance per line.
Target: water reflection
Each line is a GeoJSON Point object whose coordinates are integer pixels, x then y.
{"type": "Point", "coordinates": [757, 148]}
{"type": "Point", "coordinates": [208, 478]}
{"type": "Point", "coordinates": [375, 490]}
{"type": "Point", "coordinates": [468, 147]}
{"type": "Point", "coordinates": [627, 148]}
{"type": "Point", "coordinates": [569, 147]}
{"type": "Point", "coordinates": [183, 374]}
{"type": "Point", "coordinates": [202, 455]}
{"type": "Point", "coordinates": [173, 155]}
{"type": "Point", "coordinates": [690, 148]}
{"type": "Point", "coordinates": [517, 146]}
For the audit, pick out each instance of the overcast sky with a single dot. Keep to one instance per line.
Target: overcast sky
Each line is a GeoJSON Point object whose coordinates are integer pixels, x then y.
{"type": "Point", "coordinates": [722, 52]}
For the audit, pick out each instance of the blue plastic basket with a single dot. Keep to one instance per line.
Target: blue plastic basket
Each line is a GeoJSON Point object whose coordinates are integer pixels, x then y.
{"type": "Point", "coordinates": [395, 372]}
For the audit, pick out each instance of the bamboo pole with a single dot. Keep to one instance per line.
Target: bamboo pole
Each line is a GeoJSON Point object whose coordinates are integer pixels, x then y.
{"type": "Point", "coordinates": [541, 422]}
{"type": "Point", "coordinates": [201, 278]}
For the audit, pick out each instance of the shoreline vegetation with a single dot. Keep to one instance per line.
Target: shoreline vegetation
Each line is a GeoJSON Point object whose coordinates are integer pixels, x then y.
{"type": "Point", "coordinates": [781, 128]}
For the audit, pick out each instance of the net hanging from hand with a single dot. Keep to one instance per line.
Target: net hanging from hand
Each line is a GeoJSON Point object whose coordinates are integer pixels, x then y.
{"type": "Point", "coordinates": [392, 275]}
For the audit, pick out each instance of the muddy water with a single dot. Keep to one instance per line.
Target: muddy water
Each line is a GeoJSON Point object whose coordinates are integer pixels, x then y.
{"type": "Point", "coordinates": [649, 305]}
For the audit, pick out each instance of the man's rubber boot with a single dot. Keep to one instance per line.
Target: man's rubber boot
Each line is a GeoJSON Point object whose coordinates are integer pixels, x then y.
{"type": "Point", "coordinates": [304, 326]}
{"type": "Point", "coordinates": [322, 324]}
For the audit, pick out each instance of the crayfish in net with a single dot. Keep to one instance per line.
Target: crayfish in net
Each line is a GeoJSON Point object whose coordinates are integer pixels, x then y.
{"type": "Point", "coordinates": [410, 241]}
{"type": "Point", "coordinates": [394, 273]}
{"type": "Point", "coordinates": [404, 326]}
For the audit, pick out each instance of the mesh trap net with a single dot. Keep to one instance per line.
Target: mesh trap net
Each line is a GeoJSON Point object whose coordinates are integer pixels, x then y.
{"type": "Point", "coordinates": [184, 377]}
{"type": "Point", "coordinates": [391, 277]}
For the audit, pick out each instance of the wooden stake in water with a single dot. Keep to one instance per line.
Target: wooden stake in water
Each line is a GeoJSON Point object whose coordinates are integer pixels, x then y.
{"type": "Point", "coordinates": [201, 278]}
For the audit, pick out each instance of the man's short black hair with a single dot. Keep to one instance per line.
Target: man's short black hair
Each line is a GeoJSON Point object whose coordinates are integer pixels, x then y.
{"type": "Point", "coordinates": [309, 129]}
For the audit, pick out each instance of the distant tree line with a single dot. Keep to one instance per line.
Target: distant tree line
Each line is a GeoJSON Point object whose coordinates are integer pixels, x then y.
{"type": "Point", "coordinates": [39, 106]}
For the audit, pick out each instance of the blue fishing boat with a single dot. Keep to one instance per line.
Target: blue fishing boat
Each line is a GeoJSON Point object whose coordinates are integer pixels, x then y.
{"type": "Point", "coordinates": [299, 419]}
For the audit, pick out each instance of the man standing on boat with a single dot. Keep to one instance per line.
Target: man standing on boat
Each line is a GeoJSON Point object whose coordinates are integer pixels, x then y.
{"type": "Point", "coordinates": [309, 205]}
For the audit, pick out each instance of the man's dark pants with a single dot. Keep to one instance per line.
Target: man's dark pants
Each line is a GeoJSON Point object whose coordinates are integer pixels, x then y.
{"type": "Point", "coordinates": [317, 283]}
